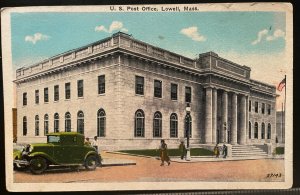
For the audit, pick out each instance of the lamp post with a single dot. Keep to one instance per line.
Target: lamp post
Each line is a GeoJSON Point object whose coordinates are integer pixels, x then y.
{"type": "Point", "coordinates": [188, 111]}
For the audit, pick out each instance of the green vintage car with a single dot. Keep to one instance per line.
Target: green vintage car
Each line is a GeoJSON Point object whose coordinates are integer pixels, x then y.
{"type": "Point", "coordinates": [63, 148]}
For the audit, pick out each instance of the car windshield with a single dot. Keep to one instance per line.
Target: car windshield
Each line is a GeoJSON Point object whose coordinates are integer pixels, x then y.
{"type": "Point", "coordinates": [53, 139]}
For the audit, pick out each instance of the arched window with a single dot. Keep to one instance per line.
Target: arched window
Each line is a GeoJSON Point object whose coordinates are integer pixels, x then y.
{"type": "Point", "coordinates": [256, 130]}
{"type": "Point", "coordinates": [80, 122]}
{"type": "Point", "coordinates": [46, 124]}
{"type": "Point", "coordinates": [249, 130]}
{"type": "Point", "coordinates": [188, 125]}
{"type": "Point", "coordinates": [139, 125]}
{"type": "Point", "coordinates": [101, 120]}
{"type": "Point", "coordinates": [269, 131]}
{"type": "Point", "coordinates": [157, 124]}
{"type": "Point", "coordinates": [24, 126]}
{"type": "Point", "coordinates": [67, 122]}
{"type": "Point", "coordinates": [37, 125]}
{"type": "Point", "coordinates": [263, 131]}
{"type": "Point", "coordinates": [173, 125]}
{"type": "Point", "coordinates": [56, 122]}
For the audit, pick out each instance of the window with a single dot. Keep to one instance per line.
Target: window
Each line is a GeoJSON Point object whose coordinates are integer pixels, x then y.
{"type": "Point", "coordinates": [157, 124]}
{"type": "Point", "coordinates": [139, 125]}
{"type": "Point", "coordinates": [24, 126]}
{"type": "Point", "coordinates": [67, 122]}
{"type": "Point", "coordinates": [188, 94]}
{"type": "Point", "coordinates": [80, 88]}
{"type": "Point", "coordinates": [263, 108]}
{"type": "Point", "coordinates": [250, 106]}
{"type": "Point", "coordinates": [56, 122]}
{"type": "Point", "coordinates": [157, 88]}
{"type": "Point", "coordinates": [68, 90]}
{"type": "Point", "coordinates": [46, 124]}
{"type": "Point", "coordinates": [173, 125]}
{"type": "Point", "coordinates": [256, 107]}
{"type": "Point", "coordinates": [269, 109]}
{"type": "Point", "coordinates": [139, 85]}
{"type": "Point", "coordinates": [188, 125]}
{"type": "Point", "coordinates": [24, 99]}
{"type": "Point", "coordinates": [46, 95]}
{"type": "Point", "coordinates": [101, 84]}
{"type": "Point", "coordinates": [37, 98]}
{"type": "Point", "coordinates": [255, 130]}
{"type": "Point", "coordinates": [269, 131]}
{"type": "Point", "coordinates": [37, 125]}
{"type": "Point", "coordinates": [249, 130]}
{"type": "Point", "coordinates": [56, 93]}
{"type": "Point", "coordinates": [263, 131]}
{"type": "Point", "coordinates": [174, 91]}
{"type": "Point", "coordinates": [101, 120]}
{"type": "Point", "coordinates": [80, 122]}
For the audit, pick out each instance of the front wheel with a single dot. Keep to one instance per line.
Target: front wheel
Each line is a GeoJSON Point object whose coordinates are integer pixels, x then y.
{"type": "Point", "coordinates": [38, 165]}
{"type": "Point", "coordinates": [91, 162]}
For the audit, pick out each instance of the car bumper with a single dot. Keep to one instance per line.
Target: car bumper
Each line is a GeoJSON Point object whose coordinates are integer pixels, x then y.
{"type": "Point", "coordinates": [21, 162]}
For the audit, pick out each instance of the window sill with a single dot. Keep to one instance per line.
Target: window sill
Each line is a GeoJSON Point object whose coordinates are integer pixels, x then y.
{"type": "Point", "coordinates": [139, 95]}
{"type": "Point", "coordinates": [101, 94]}
{"type": "Point", "coordinates": [46, 102]}
{"type": "Point", "coordinates": [56, 101]}
{"type": "Point", "coordinates": [157, 97]}
{"type": "Point", "coordinates": [80, 97]}
{"type": "Point", "coordinates": [174, 100]}
{"type": "Point", "coordinates": [67, 99]}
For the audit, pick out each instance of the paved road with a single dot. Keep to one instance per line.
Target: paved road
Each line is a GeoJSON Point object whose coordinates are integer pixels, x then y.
{"type": "Point", "coordinates": [149, 169]}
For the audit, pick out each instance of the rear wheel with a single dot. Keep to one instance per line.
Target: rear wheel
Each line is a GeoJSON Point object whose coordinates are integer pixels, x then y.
{"type": "Point", "coordinates": [91, 162]}
{"type": "Point", "coordinates": [38, 165]}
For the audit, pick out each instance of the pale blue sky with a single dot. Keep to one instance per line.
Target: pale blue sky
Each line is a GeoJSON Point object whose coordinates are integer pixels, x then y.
{"type": "Point", "coordinates": [222, 32]}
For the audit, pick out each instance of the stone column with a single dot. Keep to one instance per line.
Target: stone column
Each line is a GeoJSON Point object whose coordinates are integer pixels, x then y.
{"type": "Point", "coordinates": [214, 115]}
{"type": "Point", "coordinates": [208, 116]}
{"type": "Point", "coordinates": [223, 132]}
{"type": "Point", "coordinates": [243, 115]}
{"type": "Point", "coordinates": [234, 119]}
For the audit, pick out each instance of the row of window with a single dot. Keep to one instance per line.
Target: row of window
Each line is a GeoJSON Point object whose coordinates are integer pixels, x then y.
{"type": "Point", "coordinates": [101, 90]}
{"type": "Point", "coordinates": [262, 130]}
{"type": "Point", "coordinates": [262, 107]}
{"type": "Point", "coordinates": [139, 90]}
{"type": "Point", "coordinates": [139, 127]}
{"type": "Point", "coordinates": [101, 123]}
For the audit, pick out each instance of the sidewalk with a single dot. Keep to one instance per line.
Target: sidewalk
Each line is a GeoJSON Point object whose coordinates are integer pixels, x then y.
{"type": "Point", "coordinates": [198, 158]}
{"type": "Point", "coordinates": [117, 162]}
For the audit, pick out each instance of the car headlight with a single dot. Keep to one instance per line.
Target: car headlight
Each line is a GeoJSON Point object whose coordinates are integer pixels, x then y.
{"type": "Point", "coordinates": [30, 148]}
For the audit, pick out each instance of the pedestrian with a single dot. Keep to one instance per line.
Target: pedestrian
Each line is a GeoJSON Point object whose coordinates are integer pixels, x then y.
{"type": "Point", "coordinates": [164, 153]}
{"type": "Point", "coordinates": [182, 150]}
{"type": "Point", "coordinates": [216, 151]}
{"type": "Point", "coordinates": [87, 141]}
{"type": "Point", "coordinates": [224, 151]}
{"type": "Point", "coordinates": [95, 144]}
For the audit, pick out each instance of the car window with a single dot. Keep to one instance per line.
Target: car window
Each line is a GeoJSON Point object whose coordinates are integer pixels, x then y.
{"type": "Point", "coordinates": [53, 139]}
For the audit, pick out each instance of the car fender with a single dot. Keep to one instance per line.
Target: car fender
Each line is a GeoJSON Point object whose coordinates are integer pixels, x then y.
{"type": "Point", "coordinates": [92, 153]}
{"type": "Point", "coordinates": [17, 154]}
{"type": "Point", "coordinates": [41, 154]}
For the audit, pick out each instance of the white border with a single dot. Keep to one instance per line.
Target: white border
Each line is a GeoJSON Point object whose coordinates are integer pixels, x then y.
{"type": "Point", "coordinates": [9, 92]}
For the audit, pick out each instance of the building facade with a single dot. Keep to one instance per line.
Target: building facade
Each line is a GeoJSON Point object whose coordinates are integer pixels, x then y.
{"type": "Point", "coordinates": [132, 94]}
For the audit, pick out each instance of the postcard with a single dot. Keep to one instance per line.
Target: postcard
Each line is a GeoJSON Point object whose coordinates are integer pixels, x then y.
{"type": "Point", "coordinates": [148, 97]}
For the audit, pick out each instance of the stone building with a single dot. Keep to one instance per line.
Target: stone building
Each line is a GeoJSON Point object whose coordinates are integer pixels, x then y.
{"type": "Point", "coordinates": [132, 94]}
{"type": "Point", "coordinates": [280, 127]}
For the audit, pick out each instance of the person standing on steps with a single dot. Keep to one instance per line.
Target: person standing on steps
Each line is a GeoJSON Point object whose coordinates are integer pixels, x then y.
{"type": "Point", "coordinates": [224, 151]}
{"type": "Point", "coordinates": [164, 153]}
{"type": "Point", "coordinates": [216, 151]}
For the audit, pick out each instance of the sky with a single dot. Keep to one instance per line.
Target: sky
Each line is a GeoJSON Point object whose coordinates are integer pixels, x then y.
{"type": "Point", "coordinates": [255, 39]}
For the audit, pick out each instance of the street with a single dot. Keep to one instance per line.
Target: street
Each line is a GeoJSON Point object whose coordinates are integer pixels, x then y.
{"type": "Point", "coordinates": [149, 169]}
